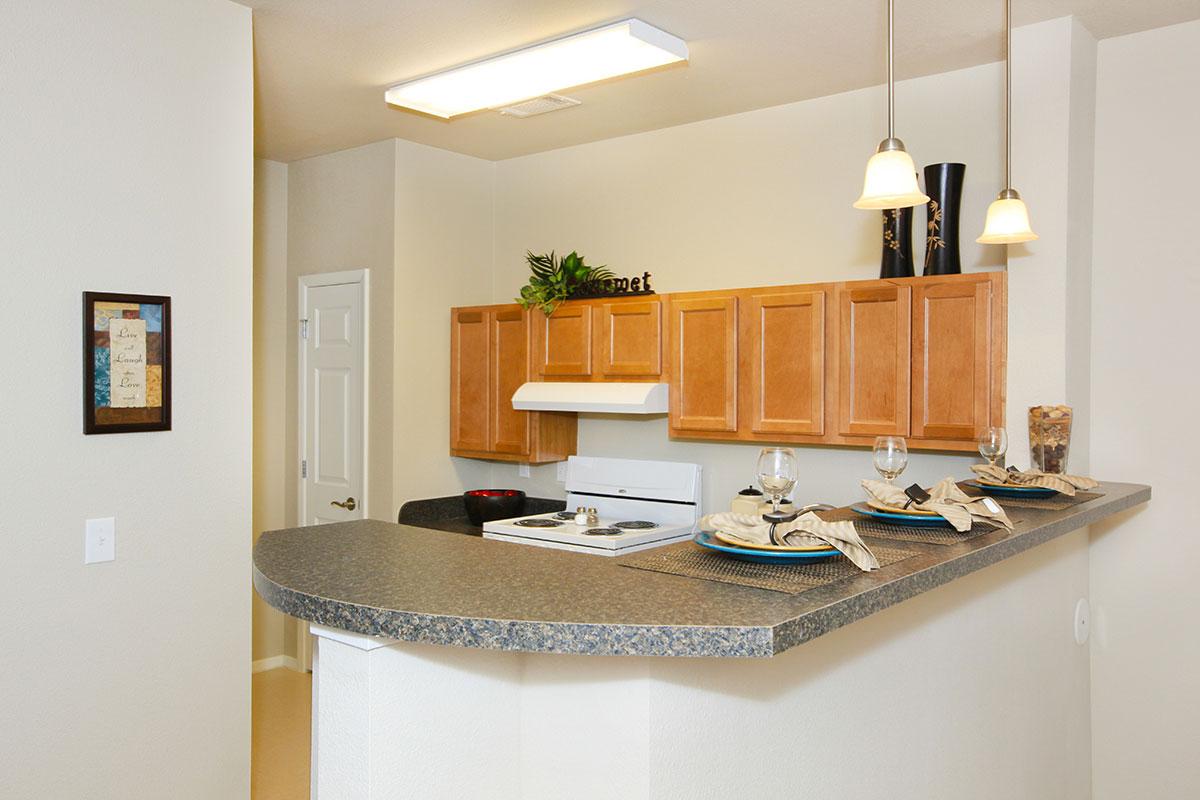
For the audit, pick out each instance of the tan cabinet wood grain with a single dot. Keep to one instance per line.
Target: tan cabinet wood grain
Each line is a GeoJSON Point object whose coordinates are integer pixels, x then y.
{"type": "Point", "coordinates": [469, 379]}
{"type": "Point", "coordinates": [489, 360]}
{"type": "Point", "coordinates": [630, 336]}
{"type": "Point", "coordinates": [873, 361]}
{"type": "Point", "coordinates": [510, 365]}
{"type": "Point", "coordinates": [785, 336]}
{"type": "Point", "coordinates": [703, 341]}
{"type": "Point", "coordinates": [564, 341]}
{"type": "Point", "coordinates": [953, 358]}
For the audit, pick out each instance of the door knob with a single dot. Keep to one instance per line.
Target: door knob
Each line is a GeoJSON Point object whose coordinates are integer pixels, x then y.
{"type": "Point", "coordinates": [349, 504]}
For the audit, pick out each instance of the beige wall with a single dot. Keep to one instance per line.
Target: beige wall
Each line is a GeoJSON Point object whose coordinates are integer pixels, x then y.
{"type": "Point", "coordinates": [1145, 656]}
{"type": "Point", "coordinates": [126, 156]}
{"type": "Point", "coordinates": [753, 199]}
{"type": "Point", "coordinates": [443, 224]}
{"type": "Point", "coordinates": [340, 217]}
{"type": "Point", "coordinates": [270, 362]}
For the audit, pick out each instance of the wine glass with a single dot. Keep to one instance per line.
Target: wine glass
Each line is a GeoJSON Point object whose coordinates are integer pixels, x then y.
{"type": "Point", "coordinates": [891, 456]}
{"type": "Point", "coordinates": [777, 472]}
{"type": "Point", "coordinates": [993, 444]}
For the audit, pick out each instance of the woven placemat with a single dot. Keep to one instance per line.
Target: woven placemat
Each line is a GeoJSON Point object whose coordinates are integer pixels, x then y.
{"type": "Point", "coordinates": [1058, 502]}
{"type": "Point", "coordinates": [692, 561]}
{"type": "Point", "coordinates": [907, 533]}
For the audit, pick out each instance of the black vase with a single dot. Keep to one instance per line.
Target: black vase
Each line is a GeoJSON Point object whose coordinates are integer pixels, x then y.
{"type": "Point", "coordinates": [897, 244]}
{"type": "Point", "coordinates": [943, 184]}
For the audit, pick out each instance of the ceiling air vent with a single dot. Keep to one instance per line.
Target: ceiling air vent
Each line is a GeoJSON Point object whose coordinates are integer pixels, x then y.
{"type": "Point", "coordinates": [539, 105]}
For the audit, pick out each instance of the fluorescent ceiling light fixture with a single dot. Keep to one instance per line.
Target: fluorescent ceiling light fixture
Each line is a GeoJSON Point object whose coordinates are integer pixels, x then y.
{"type": "Point", "coordinates": [607, 52]}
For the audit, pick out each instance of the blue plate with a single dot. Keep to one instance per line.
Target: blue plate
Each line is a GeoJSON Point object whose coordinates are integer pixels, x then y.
{"type": "Point", "coordinates": [901, 519]}
{"type": "Point", "coordinates": [1014, 491]}
{"type": "Point", "coordinates": [705, 539]}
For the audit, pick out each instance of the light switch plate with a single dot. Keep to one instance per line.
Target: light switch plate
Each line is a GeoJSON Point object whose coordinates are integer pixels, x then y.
{"type": "Point", "coordinates": [561, 474]}
{"type": "Point", "coordinates": [100, 540]}
{"type": "Point", "coordinates": [523, 471]}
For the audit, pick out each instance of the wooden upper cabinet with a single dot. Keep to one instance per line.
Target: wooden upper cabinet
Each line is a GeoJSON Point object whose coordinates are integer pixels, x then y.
{"type": "Point", "coordinates": [630, 336]}
{"type": "Point", "coordinates": [469, 379]}
{"type": "Point", "coordinates": [703, 341]}
{"type": "Point", "coordinates": [953, 357]}
{"type": "Point", "coordinates": [564, 341]}
{"type": "Point", "coordinates": [785, 345]}
{"type": "Point", "coordinates": [509, 341]}
{"type": "Point", "coordinates": [873, 360]}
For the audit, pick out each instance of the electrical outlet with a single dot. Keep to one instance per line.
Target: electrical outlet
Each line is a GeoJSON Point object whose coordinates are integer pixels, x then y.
{"type": "Point", "coordinates": [561, 474]}
{"type": "Point", "coordinates": [100, 540]}
{"type": "Point", "coordinates": [523, 471]}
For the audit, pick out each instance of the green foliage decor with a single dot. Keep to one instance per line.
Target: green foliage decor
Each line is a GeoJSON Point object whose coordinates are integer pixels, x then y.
{"type": "Point", "coordinates": [554, 279]}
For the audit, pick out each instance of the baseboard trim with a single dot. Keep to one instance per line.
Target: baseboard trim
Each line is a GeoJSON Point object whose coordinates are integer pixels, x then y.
{"type": "Point", "coordinates": [274, 662]}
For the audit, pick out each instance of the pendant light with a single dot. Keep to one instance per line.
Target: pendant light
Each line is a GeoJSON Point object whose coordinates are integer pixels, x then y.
{"type": "Point", "coordinates": [1007, 217]}
{"type": "Point", "coordinates": [891, 179]}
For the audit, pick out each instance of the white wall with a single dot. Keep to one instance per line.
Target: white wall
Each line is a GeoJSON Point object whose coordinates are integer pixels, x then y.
{"type": "Point", "coordinates": [1146, 289]}
{"type": "Point", "coordinates": [752, 199]}
{"type": "Point", "coordinates": [270, 380]}
{"type": "Point", "coordinates": [126, 155]}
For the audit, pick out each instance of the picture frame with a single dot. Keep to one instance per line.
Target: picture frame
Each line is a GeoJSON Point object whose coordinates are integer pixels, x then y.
{"type": "Point", "coordinates": [126, 362]}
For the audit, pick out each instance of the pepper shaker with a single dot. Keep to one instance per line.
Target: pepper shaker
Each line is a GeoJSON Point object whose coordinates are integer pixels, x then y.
{"type": "Point", "coordinates": [593, 518]}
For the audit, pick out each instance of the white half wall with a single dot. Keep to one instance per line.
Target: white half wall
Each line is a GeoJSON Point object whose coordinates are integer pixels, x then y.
{"type": "Point", "coordinates": [126, 149]}
{"type": "Point", "coordinates": [1146, 290]}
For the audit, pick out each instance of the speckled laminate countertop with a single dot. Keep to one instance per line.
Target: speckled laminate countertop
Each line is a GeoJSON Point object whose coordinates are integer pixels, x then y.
{"type": "Point", "coordinates": [421, 585]}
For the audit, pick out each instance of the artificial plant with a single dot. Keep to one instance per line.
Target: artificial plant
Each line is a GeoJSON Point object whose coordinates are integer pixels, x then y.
{"type": "Point", "coordinates": [553, 279]}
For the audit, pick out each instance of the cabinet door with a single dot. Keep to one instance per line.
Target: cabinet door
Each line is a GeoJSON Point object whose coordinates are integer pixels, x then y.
{"type": "Point", "coordinates": [873, 361]}
{"type": "Point", "coordinates": [469, 380]}
{"type": "Point", "coordinates": [787, 367]}
{"type": "Point", "coordinates": [510, 429]}
{"type": "Point", "coordinates": [630, 339]}
{"type": "Point", "coordinates": [565, 341]}
{"type": "Point", "coordinates": [704, 364]}
{"type": "Point", "coordinates": [951, 359]}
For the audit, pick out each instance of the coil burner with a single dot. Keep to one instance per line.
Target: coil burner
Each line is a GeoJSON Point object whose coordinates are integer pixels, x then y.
{"type": "Point", "coordinates": [538, 522]}
{"type": "Point", "coordinates": [635, 525]}
{"type": "Point", "coordinates": [603, 531]}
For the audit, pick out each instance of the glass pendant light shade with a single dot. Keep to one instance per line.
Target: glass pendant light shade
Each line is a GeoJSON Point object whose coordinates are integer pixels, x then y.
{"type": "Point", "coordinates": [1007, 221]}
{"type": "Point", "coordinates": [891, 179]}
{"type": "Point", "coordinates": [1007, 217]}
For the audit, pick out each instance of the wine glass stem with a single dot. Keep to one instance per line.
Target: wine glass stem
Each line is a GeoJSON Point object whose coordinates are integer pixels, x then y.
{"type": "Point", "coordinates": [775, 499]}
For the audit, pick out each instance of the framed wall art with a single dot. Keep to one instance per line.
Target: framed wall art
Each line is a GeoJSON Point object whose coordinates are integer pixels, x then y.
{"type": "Point", "coordinates": [126, 363]}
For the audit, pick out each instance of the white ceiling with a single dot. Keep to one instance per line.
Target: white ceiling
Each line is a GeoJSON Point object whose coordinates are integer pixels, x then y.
{"type": "Point", "coordinates": [322, 66]}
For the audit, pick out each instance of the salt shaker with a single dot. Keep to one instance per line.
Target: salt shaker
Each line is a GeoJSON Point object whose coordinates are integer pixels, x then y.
{"type": "Point", "coordinates": [581, 516]}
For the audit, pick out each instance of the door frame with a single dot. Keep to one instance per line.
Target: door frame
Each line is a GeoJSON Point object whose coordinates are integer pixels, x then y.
{"type": "Point", "coordinates": [361, 277]}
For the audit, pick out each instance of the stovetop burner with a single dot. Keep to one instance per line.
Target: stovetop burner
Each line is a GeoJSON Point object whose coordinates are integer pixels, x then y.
{"type": "Point", "coordinates": [565, 515]}
{"type": "Point", "coordinates": [538, 522]}
{"type": "Point", "coordinates": [603, 531]}
{"type": "Point", "coordinates": [635, 525]}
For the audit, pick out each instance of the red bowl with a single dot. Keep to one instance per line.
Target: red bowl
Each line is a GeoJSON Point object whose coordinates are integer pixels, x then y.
{"type": "Point", "coordinates": [485, 505]}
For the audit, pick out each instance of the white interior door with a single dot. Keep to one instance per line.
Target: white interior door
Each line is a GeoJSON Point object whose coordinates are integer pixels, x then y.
{"type": "Point", "coordinates": [333, 454]}
{"type": "Point", "coordinates": [333, 407]}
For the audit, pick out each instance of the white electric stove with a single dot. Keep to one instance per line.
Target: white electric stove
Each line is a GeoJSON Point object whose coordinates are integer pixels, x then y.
{"type": "Point", "coordinates": [641, 504]}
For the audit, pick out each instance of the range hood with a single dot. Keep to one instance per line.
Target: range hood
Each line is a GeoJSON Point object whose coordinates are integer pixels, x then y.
{"type": "Point", "coordinates": [601, 397]}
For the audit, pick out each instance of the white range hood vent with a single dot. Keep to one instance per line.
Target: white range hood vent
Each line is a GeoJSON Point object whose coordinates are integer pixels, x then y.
{"type": "Point", "coordinates": [604, 398]}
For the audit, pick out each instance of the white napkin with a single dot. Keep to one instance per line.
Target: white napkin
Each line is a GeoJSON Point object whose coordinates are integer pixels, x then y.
{"type": "Point", "coordinates": [807, 529]}
{"type": "Point", "coordinates": [1067, 484]}
{"type": "Point", "coordinates": [946, 500]}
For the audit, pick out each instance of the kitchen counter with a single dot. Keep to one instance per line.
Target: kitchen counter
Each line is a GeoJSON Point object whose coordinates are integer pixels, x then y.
{"type": "Point", "coordinates": [418, 585]}
{"type": "Point", "coordinates": [449, 513]}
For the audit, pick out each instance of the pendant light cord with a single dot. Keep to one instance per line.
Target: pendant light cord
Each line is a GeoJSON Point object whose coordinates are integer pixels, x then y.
{"type": "Point", "coordinates": [1007, 94]}
{"type": "Point", "coordinates": [891, 80]}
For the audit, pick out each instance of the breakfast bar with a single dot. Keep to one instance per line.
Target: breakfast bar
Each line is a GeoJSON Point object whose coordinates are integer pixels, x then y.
{"type": "Point", "coordinates": [426, 636]}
